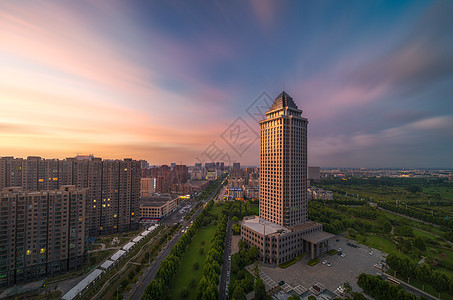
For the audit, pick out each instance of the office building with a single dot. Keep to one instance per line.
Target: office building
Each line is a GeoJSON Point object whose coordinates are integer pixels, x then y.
{"type": "Point", "coordinates": [282, 230]}
{"type": "Point", "coordinates": [42, 233]}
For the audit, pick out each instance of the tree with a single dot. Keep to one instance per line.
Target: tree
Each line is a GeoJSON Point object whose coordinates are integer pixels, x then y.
{"type": "Point", "coordinates": [347, 287]}
{"type": "Point", "coordinates": [253, 253]}
{"type": "Point", "coordinates": [420, 243]}
{"type": "Point", "coordinates": [236, 229]}
{"type": "Point", "coordinates": [259, 289]}
{"type": "Point", "coordinates": [413, 189]}
{"type": "Point", "coordinates": [184, 292]}
{"type": "Point", "coordinates": [239, 294]}
{"type": "Point", "coordinates": [192, 283]}
{"type": "Point", "coordinates": [311, 297]}
{"type": "Point", "coordinates": [242, 245]}
{"type": "Point", "coordinates": [256, 270]}
{"type": "Point", "coordinates": [131, 275]}
{"type": "Point", "coordinates": [359, 296]}
{"type": "Point", "coordinates": [293, 297]}
{"type": "Point", "coordinates": [235, 219]}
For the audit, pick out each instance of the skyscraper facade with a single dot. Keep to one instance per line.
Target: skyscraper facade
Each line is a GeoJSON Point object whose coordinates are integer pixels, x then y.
{"type": "Point", "coordinates": [282, 231]}
{"type": "Point", "coordinates": [283, 164]}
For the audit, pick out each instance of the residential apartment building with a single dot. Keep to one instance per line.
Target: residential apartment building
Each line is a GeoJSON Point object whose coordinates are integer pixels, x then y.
{"type": "Point", "coordinates": [42, 233]}
{"type": "Point", "coordinates": [113, 186]}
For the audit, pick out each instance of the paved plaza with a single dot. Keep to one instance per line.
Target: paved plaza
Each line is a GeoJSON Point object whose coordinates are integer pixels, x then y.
{"type": "Point", "coordinates": [300, 276]}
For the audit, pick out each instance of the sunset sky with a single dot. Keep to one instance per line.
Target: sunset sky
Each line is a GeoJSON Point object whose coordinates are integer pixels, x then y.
{"type": "Point", "coordinates": [165, 80]}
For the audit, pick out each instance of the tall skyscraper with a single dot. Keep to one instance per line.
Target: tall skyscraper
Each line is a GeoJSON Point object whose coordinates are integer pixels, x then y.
{"type": "Point", "coordinates": [282, 230]}
{"type": "Point", "coordinates": [283, 163]}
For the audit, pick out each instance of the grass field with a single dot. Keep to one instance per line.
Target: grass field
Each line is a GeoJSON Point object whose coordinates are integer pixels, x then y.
{"type": "Point", "coordinates": [445, 192]}
{"type": "Point", "coordinates": [377, 242]}
{"type": "Point", "coordinates": [186, 271]}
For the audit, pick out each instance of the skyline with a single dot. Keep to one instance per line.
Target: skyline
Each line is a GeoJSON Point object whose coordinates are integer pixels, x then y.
{"type": "Point", "coordinates": [161, 82]}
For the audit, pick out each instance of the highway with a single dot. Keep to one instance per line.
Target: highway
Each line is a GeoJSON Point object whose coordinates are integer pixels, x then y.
{"type": "Point", "coordinates": [138, 290]}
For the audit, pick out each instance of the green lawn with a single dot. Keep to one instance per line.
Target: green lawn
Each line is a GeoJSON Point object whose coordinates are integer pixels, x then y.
{"type": "Point", "coordinates": [414, 224]}
{"type": "Point", "coordinates": [424, 234]}
{"type": "Point", "coordinates": [186, 272]}
{"type": "Point", "coordinates": [445, 192]}
{"type": "Point", "coordinates": [377, 242]}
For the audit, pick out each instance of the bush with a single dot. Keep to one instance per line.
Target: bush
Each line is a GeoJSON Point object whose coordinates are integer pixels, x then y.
{"type": "Point", "coordinates": [299, 257]}
{"type": "Point", "coordinates": [288, 263]}
{"type": "Point", "coordinates": [313, 262]}
{"type": "Point", "coordinates": [131, 275]}
{"type": "Point", "coordinates": [333, 251]}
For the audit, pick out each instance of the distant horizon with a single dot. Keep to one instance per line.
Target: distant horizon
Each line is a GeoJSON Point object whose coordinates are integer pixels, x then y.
{"type": "Point", "coordinates": [152, 164]}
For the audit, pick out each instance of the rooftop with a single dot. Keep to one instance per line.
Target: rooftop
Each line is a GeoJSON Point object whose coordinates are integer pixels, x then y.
{"type": "Point", "coordinates": [283, 100]}
{"type": "Point", "coordinates": [262, 226]}
{"type": "Point", "coordinates": [318, 237]}
{"type": "Point", "coordinates": [156, 200]}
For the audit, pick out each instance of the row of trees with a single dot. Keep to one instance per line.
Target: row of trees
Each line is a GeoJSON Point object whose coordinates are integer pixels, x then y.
{"type": "Point", "coordinates": [387, 181]}
{"type": "Point", "coordinates": [241, 209]}
{"type": "Point", "coordinates": [381, 289]}
{"type": "Point", "coordinates": [207, 288]}
{"type": "Point", "coordinates": [240, 278]}
{"type": "Point", "coordinates": [169, 266]}
{"type": "Point", "coordinates": [418, 214]}
{"type": "Point", "coordinates": [410, 269]}
{"type": "Point", "coordinates": [334, 221]}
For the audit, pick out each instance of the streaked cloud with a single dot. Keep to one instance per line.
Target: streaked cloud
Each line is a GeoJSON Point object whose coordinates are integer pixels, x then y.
{"type": "Point", "coordinates": [161, 81]}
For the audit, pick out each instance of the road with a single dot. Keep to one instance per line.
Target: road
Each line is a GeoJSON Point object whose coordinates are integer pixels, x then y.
{"type": "Point", "coordinates": [412, 289]}
{"type": "Point", "coordinates": [139, 288]}
{"type": "Point", "coordinates": [224, 278]}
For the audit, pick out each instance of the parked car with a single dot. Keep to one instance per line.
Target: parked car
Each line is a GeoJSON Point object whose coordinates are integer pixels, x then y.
{"type": "Point", "coordinates": [324, 262]}
{"type": "Point", "coordinates": [343, 255]}
{"type": "Point", "coordinates": [281, 283]}
{"type": "Point", "coordinates": [329, 264]}
{"type": "Point", "coordinates": [339, 249]}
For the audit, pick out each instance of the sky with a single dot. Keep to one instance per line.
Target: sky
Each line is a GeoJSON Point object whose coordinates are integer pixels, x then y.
{"type": "Point", "coordinates": [188, 81]}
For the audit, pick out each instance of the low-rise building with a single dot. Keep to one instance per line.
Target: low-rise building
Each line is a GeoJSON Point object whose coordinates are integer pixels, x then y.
{"type": "Point", "coordinates": [315, 193]}
{"type": "Point", "coordinates": [277, 244]}
{"type": "Point", "coordinates": [157, 207]}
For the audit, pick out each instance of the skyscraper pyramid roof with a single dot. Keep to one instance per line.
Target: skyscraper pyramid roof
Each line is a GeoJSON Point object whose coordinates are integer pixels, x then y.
{"type": "Point", "coordinates": [283, 100]}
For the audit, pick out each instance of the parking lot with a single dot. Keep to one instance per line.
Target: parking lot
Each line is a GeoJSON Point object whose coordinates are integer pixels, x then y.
{"type": "Point", "coordinates": [356, 261]}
